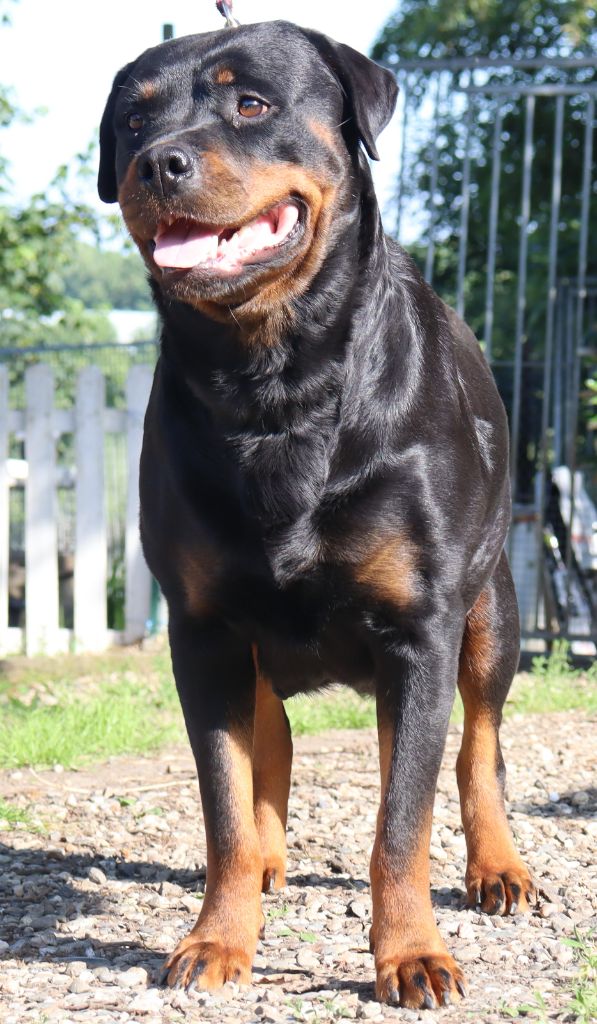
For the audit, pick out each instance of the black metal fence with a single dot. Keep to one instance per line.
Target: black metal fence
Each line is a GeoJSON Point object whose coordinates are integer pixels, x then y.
{"type": "Point", "coordinates": [496, 198]}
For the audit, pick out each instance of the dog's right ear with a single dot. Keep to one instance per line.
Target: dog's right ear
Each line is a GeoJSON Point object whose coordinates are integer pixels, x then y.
{"type": "Point", "coordinates": [107, 185]}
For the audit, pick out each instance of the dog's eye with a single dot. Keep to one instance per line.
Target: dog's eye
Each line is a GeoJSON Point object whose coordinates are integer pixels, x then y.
{"type": "Point", "coordinates": [248, 106]}
{"type": "Point", "coordinates": [135, 122]}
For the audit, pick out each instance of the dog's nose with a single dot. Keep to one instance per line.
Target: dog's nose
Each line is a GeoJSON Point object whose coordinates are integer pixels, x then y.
{"type": "Point", "coordinates": [163, 168]}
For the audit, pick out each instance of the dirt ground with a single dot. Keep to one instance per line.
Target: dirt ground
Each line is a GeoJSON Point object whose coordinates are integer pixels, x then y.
{"type": "Point", "coordinates": [93, 902]}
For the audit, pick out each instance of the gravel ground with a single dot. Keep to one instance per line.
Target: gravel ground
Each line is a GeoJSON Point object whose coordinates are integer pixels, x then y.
{"type": "Point", "coordinates": [92, 903]}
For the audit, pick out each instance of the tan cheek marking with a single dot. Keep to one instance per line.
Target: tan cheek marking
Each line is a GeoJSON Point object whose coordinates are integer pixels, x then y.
{"type": "Point", "coordinates": [391, 572]}
{"type": "Point", "coordinates": [325, 134]}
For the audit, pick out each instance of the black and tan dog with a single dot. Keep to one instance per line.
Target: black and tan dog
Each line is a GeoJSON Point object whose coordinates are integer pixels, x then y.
{"type": "Point", "coordinates": [324, 479]}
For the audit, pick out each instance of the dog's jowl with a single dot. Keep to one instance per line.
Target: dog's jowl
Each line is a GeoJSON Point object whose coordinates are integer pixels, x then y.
{"type": "Point", "coordinates": [324, 485]}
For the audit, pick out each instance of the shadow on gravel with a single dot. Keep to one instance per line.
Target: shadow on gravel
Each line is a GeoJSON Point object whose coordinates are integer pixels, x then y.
{"type": "Point", "coordinates": [564, 807]}
{"type": "Point", "coordinates": [32, 877]}
{"type": "Point", "coordinates": [34, 880]}
{"type": "Point", "coordinates": [26, 862]}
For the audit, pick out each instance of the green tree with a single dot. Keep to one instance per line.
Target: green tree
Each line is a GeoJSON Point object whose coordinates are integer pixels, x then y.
{"type": "Point", "coordinates": [108, 279]}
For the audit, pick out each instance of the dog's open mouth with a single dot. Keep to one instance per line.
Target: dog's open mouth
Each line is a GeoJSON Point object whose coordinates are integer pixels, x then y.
{"type": "Point", "coordinates": [184, 244]}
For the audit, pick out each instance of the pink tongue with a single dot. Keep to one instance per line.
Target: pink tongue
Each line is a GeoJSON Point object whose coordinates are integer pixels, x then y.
{"type": "Point", "coordinates": [184, 245]}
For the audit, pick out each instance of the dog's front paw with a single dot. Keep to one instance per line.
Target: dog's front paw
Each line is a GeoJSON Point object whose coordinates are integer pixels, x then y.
{"type": "Point", "coordinates": [420, 983]}
{"type": "Point", "coordinates": [205, 965]}
{"type": "Point", "coordinates": [508, 891]}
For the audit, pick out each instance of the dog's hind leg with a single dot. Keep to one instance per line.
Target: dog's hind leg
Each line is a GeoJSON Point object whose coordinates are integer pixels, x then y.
{"type": "Point", "coordinates": [497, 880]}
{"type": "Point", "coordinates": [272, 762]}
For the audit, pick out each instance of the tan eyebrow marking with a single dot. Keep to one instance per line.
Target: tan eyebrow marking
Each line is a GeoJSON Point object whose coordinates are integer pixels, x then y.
{"type": "Point", "coordinates": [225, 76]}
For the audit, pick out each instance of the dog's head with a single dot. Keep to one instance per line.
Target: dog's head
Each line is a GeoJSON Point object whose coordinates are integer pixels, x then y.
{"type": "Point", "coordinates": [233, 156]}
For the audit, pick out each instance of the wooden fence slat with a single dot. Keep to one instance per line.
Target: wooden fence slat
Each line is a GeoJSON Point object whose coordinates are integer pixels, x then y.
{"type": "Point", "coordinates": [41, 542]}
{"type": "Point", "coordinates": [137, 575]}
{"type": "Point", "coordinates": [63, 421]}
{"type": "Point", "coordinates": [4, 511]}
{"type": "Point", "coordinates": [91, 549]}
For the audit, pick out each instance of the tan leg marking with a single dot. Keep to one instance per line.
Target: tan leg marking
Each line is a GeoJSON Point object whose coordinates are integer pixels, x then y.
{"type": "Point", "coordinates": [221, 945]}
{"type": "Point", "coordinates": [272, 762]}
{"type": "Point", "coordinates": [413, 966]}
{"type": "Point", "coordinates": [497, 879]}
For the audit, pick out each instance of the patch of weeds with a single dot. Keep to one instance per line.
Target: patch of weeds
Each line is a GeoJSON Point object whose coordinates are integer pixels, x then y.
{"type": "Point", "coordinates": [535, 1010]}
{"type": "Point", "coordinates": [584, 994]}
{"type": "Point", "coordinates": [281, 911]}
{"type": "Point", "coordinates": [296, 1004]}
{"type": "Point", "coordinates": [554, 685]}
{"type": "Point", "coordinates": [307, 937]}
{"type": "Point", "coordinates": [334, 1009]}
{"type": "Point", "coordinates": [326, 1010]}
{"type": "Point", "coordinates": [11, 816]}
{"type": "Point", "coordinates": [557, 664]}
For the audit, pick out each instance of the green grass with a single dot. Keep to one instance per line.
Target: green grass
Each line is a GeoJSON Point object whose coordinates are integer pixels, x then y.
{"type": "Point", "coordinates": [69, 710]}
{"type": "Point", "coordinates": [554, 685]}
{"type": "Point", "coordinates": [81, 708]}
{"type": "Point", "coordinates": [583, 1004]}
{"type": "Point", "coordinates": [11, 816]}
{"type": "Point", "coordinates": [339, 708]}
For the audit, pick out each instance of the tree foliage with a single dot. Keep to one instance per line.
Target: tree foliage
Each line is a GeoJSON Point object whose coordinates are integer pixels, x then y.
{"type": "Point", "coordinates": [103, 279]}
{"type": "Point", "coordinates": [487, 28]}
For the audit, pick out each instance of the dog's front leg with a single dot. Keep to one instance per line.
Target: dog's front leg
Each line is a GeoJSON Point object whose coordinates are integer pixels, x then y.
{"type": "Point", "coordinates": [416, 681]}
{"type": "Point", "coordinates": [215, 678]}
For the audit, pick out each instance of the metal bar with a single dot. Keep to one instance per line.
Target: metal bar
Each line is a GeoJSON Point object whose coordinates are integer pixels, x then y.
{"type": "Point", "coordinates": [532, 90]}
{"type": "Point", "coordinates": [584, 219]}
{"type": "Point", "coordinates": [556, 194]}
{"type": "Point", "coordinates": [569, 376]}
{"type": "Point", "coordinates": [492, 240]}
{"type": "Point", "coordinates": [522, 281]}
{"type": "Point", "coordinates": [578, 327]}
{"type": "Point", "coordinates": [400, 182]}
{"type": "Point", "coordinates": [464, 210]}
{"type": "Point", "coordinates": [433, 188]}
{"type": "Point", "coordinates": [558, 442]}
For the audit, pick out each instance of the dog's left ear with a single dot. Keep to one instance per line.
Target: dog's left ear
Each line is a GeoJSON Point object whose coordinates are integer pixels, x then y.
{"type": "Point", "coordinates": [370, 90]}
{"type": "Point", "coordinates": [107, 185]}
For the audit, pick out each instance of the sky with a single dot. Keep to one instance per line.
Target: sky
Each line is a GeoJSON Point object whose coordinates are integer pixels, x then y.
{"type": "Point", "coordinates": [62, 55]}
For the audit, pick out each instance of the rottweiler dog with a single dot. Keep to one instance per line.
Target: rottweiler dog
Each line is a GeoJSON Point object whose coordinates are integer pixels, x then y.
{"type": "Point", "coordinates": [324, 480]}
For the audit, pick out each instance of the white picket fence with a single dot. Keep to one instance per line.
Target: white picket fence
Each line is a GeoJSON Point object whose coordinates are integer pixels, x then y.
{"type": "Point", "coordinates": [40, 424]}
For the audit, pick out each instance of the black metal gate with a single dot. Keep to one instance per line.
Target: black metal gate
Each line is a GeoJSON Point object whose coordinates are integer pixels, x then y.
{"type": "Point", "coordinates": [496, 200]}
